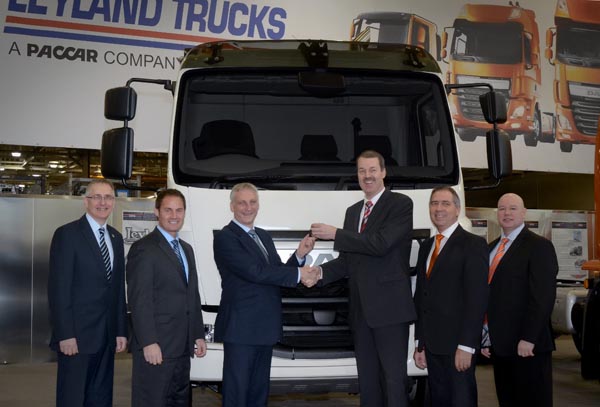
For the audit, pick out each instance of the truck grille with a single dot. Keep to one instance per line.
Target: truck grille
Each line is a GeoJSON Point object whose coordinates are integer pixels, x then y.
{"type": "Point", "coordinates": [315, 322]}
{"type": "Point", "coordinates": [586, 109]}
{"type": "Point", "coordinates": [468, 100]}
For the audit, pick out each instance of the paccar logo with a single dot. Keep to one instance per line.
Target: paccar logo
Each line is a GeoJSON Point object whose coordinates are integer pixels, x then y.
{"type": "Point", "coordinates": [173, 24]}
{"type": "Point", "coordinates": [60, 52]}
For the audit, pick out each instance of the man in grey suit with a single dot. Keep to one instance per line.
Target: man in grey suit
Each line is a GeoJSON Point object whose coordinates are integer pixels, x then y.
{"type": "Point", "coordinates": [162, 288]}
{"type": "Point", "coordinates": [451, 298]}
{"type": "Point", "coordinates": [86, 295]}
{"type": "Point", "coordinates": [249, 318]}
{"type": "Point", "coordinates": [374, 248]}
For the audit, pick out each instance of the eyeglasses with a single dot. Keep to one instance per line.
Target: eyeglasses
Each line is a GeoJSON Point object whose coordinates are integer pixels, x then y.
{"type": "Point", "coordinates": [100, 198]}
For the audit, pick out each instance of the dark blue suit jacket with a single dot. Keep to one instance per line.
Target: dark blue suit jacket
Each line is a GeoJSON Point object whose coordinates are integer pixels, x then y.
{"type": "Point", "coordinates": [250, 308]}
{"type": "Point", "coordinates": [83, 303]}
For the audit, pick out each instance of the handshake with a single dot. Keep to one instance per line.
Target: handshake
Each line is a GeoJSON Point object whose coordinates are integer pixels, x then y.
{"type": "Point", "coordinates": [310, 275]}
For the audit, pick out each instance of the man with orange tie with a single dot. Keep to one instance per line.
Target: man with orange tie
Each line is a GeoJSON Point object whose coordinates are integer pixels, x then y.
{"type": "Point", "coordinates": [451, 298]}
{"type": "Point", "coordinates": [522, 278]}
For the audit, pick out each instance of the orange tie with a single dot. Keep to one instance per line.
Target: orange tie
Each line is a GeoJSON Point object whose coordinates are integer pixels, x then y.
{"type": "Point", "coordinates": [497, 258]}
{"type": "Point", "coordinates": [436, 250]}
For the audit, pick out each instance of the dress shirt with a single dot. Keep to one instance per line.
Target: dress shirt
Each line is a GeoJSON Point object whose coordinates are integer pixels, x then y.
{"type": "Point", "coordinates": [95, 227]}
{"type": "Point", "coordinates": [511, 238]}
{"type": "Point", "coordinates": [373, 201]}
{"type": "Point", "coordinates": [170, 238]}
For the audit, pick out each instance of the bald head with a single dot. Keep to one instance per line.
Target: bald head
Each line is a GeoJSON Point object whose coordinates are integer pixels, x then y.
{"type": "Point", "coordinates": [511, 212]}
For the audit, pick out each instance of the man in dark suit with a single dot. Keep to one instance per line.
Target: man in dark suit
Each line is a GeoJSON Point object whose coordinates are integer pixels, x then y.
{"type": "Point", "coordinates": [523, 269]}
{"type": "Point", "coordinates": [451, 298]}
{"type": "Point", "coordinates": [249, 318]}
{"type": "Point", "coordinates": [162, 289]}
{"type": "Point", "coordinates": [86, 295]}
{"type": "Point", "coordinates": [374, 248]}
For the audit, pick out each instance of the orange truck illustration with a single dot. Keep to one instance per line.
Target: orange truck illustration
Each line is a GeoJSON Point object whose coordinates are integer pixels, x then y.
{"type": "Point", "coordinates": [573, 47]}
{"type": "Point", "coordinates": [498, 45]}
{"type": "Point", "coordinates": [396, 27]}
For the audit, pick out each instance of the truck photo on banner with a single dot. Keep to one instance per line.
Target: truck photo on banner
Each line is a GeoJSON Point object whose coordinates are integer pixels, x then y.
{"type": "Point", "coordinates": [60, 56]}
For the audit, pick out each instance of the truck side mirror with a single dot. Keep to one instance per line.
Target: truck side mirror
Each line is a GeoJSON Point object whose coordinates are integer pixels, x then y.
{"type": "Point", "coordinates": [120, 103]}
{"type": "Point", "coordinates": [116, 154]}
{"type": "Point", "coordinates": [493, 106]}
{"type": "Point", "coordinates": [499, 153]}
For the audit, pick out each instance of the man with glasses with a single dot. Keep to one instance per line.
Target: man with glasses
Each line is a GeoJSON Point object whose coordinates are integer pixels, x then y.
{"type": "Point", "coordinates": [86, 296]}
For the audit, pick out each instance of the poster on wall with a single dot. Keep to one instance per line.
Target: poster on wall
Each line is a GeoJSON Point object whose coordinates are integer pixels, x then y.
{"type": "Point", "coordinates": [59, 57]}
{"type": "Point", "coordinates": [480, 228]}
{"type": "Point", "coordinates": [136, 224]}
{"type": "Point", "coordinates": [570, 241]}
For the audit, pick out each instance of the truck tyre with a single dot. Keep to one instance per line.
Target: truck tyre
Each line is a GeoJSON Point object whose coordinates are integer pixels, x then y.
{"type": "Point", "coordinates": [531, 138]}
{"type": "Point", "coordinates": [566, 147]}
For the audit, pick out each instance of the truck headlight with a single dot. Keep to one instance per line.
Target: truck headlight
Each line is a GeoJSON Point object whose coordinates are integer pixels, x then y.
{"type": "Point", "coordinates": [563, 122]}
{"type": "Point", "coordinates": [518, 112]}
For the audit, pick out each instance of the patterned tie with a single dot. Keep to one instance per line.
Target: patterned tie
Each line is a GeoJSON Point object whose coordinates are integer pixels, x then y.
{"type": "Point", "coordinates": [368, 206]}
{"type": "Point", "coordinates": [175, 244]}
{"type": "Point", "coordinates": [105, 254]}
{"type": "Point", "coordinates": [485, 334]}
{"type": "Point", "coordinates": [256, 239]}
{"type": "Point", "coordinates": [436, 251]}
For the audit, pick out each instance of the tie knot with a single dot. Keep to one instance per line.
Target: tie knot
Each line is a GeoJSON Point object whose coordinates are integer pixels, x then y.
{"type": "Point", "coordinates": [175, 244]}
{"type": "Point", "coordinates": [252, 233]}
{"type": "Point", "coordinates": [369, 204]}
{"type": "Point", "coordinates": [101, 231]}
{"type": "Point", "coordinates": [439, 237]}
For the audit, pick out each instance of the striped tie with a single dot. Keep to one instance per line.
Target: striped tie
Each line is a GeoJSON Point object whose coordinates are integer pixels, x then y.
{"type": "Point", "coordinates": [105, 254]}
{"type": "Point", "coordinates": [175, 244]}
{"type": "Point", "coordinates": [367, 212]}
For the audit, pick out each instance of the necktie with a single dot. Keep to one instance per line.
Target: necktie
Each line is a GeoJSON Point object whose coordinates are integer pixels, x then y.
{"type": "Point", "coordinates": [105, 254]}
{"type": "Point", "coordinates": [175, 244]}
{"type": "Point", "coordinates": [485, 334]}
{"type": "Point", "coordinates": [363, 224]}
{"type": "Point", "coordinates": [256, 239]}
{"type": "Point", "coordinates": [436, 251]}
{"type": "Point", "coordinates": [497, 258]}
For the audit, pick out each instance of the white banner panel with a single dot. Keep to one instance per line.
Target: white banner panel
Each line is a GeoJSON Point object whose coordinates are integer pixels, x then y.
{"type": "Point", "coordinates": [59, 56]}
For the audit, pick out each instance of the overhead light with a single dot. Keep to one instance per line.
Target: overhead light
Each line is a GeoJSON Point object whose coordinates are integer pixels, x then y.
{"type": "Point", "coordinates": [1, 168]}
{"type": "Point", "coordinates": [21, 185]}
{"type": "Point", "coordinates": [61, 171]}
{"type": "Point", "coordinates": [53, 165]}
{"type": "Point", "coordinates": [36, 175]}
{"type": "Point", "coordinates": [16, 154]}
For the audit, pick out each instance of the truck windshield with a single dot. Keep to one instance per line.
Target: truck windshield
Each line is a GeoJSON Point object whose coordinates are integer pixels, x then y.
{"type": "Point", "coordinates": [264, 126]}
{"type": "Point", "coordinates": [381, 31]}
{"type": "Point", "coordinates": [578, 44]}
{"type": "Point", "coordinates": [492, 43]}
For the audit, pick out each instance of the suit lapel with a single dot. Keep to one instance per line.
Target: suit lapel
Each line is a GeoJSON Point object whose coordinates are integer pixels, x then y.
{"type": "Point", "coordinates": [90, 238]}
{"type": "Point", "coordinates": [248, 242]}
{"type": "Point", "coordinates": [169, 253]}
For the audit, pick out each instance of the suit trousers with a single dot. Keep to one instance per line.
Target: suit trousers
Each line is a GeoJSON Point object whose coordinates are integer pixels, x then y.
{"type": "Point", "coordinates": [85, 379]}
{"type": "Point", "coordinates": [164, 385]}
{"type": "Point", "coordinates": [447, 386]}
{"type": "Point", "coordinates": [524, 381]}
{"type": "Point", "coordinates": [246, 375]}
{"type": "Point", "coordinates": [381, 355]}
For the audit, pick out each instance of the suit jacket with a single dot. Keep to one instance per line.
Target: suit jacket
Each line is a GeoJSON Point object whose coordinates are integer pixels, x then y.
{"type": "Point", "coordinates": [522, 295]}
{"type": "Point", "coordinates": [250, 308]}
{"type": "Point", "coordinates": [376, 261]}
{"type": "Point", "coordinates": [165, 309]}
{"type": "Point", "coordinates": [83, 303]}
{"type": "Point", "coordinates": [451, 303]}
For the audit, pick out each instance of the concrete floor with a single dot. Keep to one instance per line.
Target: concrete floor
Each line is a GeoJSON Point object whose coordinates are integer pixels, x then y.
{"type": "Point", "coordinates": [27, 385]}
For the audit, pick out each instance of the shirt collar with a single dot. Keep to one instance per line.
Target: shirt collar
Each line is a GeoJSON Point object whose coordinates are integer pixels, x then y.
{"type": "Point", "coordinates": [448, 232]}
{"type": "Point", "coordinates": [93, 224]}
{"type": "Point", "coordinates": [166, 234]}
{"type": "Point", "coordinates": [244, 227]}
{"type": "Point", "coordinates": [376, 197]}
{"type": "Point", "coordinates": [513, 235]}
